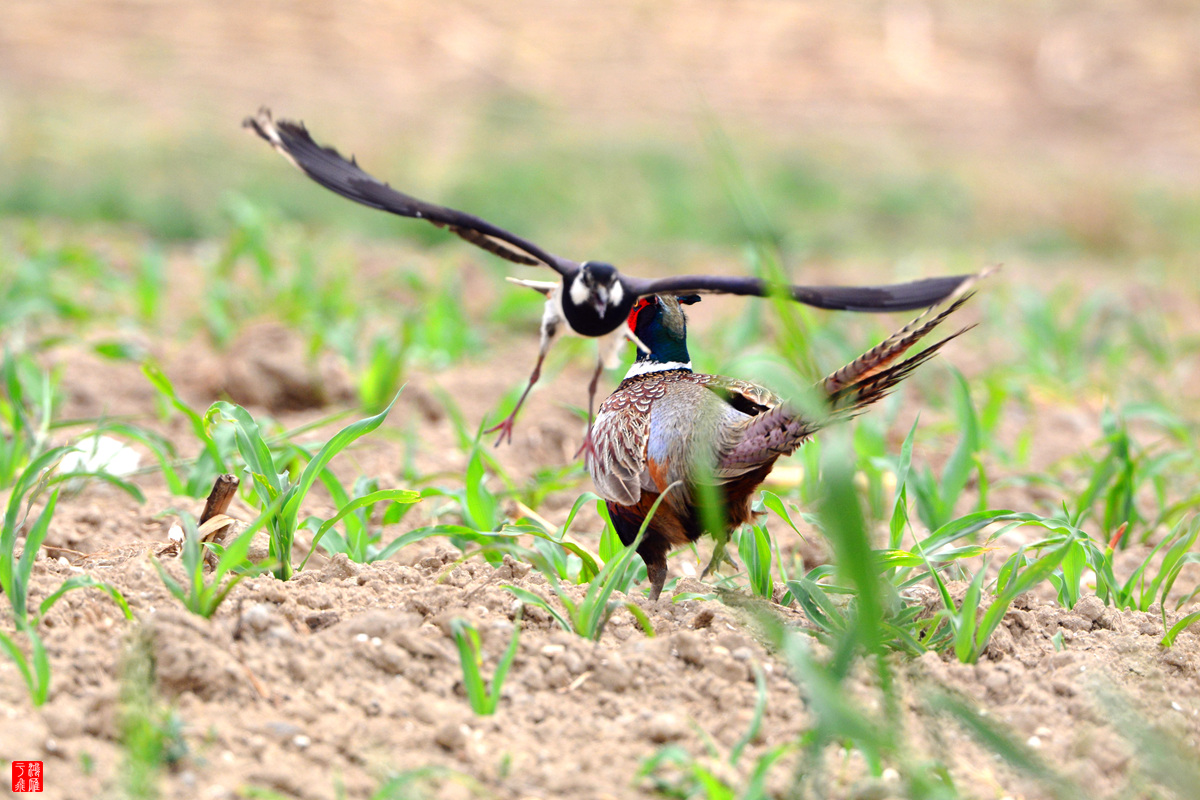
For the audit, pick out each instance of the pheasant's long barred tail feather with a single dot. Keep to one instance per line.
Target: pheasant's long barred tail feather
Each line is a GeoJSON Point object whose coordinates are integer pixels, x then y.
{"type": "Point", "coordinates": [880, 357]}
{"type": "Point", "coordinates": [852, 400]}
{"type": "Point", "coordinates": [850, 390]}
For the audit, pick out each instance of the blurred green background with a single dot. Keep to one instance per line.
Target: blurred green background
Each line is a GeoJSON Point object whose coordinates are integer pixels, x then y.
{"type": "Point", "coordinates": [936, 131]}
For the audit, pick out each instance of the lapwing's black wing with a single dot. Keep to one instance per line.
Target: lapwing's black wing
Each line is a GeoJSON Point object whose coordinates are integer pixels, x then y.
{"type": "Point", "coordinates": [327, 167]}
{"type": "Point", "coordinates": [893, 297]}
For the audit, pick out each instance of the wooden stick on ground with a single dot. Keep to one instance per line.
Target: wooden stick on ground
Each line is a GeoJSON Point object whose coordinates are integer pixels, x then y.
{"type": "Point", "coordinates": [214, 524]}
{"type": "Point", "coordinates": [219, 498]}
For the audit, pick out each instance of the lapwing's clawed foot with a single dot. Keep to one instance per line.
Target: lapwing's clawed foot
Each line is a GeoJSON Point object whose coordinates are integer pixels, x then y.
{"type": "Point", "coordinates": [587, 449]}
{"type": "Point", "coordinates": [505, 428]}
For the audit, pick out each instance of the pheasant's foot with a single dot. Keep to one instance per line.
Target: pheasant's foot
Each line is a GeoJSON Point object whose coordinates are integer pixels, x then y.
{"type": "Point", "coordinates": [720, 555]}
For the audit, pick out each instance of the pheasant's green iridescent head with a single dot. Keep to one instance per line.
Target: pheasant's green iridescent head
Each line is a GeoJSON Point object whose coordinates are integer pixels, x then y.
{"type": "Point", "coordinates": [659, 322]}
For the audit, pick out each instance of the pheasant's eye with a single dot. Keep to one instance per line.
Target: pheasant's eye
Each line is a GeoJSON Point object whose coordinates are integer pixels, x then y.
{"type": "Point", "coordinates": [637, 307]}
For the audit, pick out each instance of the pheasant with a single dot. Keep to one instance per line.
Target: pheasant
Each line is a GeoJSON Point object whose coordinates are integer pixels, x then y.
{"type": "Point", "coordinates": [591, 298]}
{"type": "Point", "coordinates": [665, 427]}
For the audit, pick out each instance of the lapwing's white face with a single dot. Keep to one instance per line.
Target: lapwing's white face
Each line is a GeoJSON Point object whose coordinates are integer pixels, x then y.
{"type": "Point", "coordinates": [597, 285]}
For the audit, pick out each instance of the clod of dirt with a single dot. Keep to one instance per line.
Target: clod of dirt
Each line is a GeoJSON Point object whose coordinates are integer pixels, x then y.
{"type": "Point", "coordinates": [452, 736]}
{"type": "Point", "coordinates": [268, 366]}
{"type": "Point", "coordinates": [663, 728]}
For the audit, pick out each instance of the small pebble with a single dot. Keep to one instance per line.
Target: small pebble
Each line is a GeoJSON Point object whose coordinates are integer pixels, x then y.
{"type": "Point", "coordinates": [259, 617]}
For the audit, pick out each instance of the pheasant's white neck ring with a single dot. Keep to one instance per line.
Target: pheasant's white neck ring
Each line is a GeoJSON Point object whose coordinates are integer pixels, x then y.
{"type": "Point", "coordinates": [647, 366]}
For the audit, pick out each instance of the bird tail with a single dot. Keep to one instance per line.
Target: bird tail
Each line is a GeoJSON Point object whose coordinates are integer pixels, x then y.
{"type": "Point", "coordinates": [873, 375]}
{"type": "Point", "coordinates": [848, 391]}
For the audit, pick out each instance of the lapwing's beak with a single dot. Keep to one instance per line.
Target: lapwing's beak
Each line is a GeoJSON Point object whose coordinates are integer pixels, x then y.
{"type": "Point", "coordinates": [599, 302]}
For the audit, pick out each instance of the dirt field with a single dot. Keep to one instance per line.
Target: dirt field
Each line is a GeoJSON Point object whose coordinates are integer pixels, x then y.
{"type": "Point", "coordinates": [329, 684]}
{"type": "Point", "coordinates": [347, 673]}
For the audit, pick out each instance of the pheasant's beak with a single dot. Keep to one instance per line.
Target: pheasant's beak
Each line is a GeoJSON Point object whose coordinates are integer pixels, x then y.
{"type": "Point", "coordinates": [631, 336]}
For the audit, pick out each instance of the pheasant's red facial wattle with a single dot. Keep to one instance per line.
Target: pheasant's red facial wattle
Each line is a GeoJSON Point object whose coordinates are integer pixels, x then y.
{"type": "Point", "coordinates": [633, 312]}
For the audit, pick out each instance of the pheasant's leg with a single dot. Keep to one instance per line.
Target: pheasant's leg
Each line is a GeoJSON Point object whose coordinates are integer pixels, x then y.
{"type": "Point", "coordinates": [587, 437]}
{"type": "Point", "coordinates": [656, 573]}
{"type": "Point", "coordinates": [549, 331]}
{"type": "Point", "coordinates": [720, 554]}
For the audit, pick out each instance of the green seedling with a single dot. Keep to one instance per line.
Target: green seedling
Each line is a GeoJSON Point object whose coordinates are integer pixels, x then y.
{"type": "Point", "coordinates": [550, 480]}
{"type": "Point", "coordinates": [936, 498]}
{"type": "Point", "coordinates": [963, 627]}
{"type": "Point", "coordinates": [755, 548]}
{"type": "Point", "coordinates": [27, 396]}
{"type": "Point", "coordinates": [45, 286]}
{"type": "Point", "coordinates": [441, 335]}
{"type": "Point", "coordinates": [554, 554]}
{"type": "Point", "coordinates": [483, 698]}
{"type": "Point", "coordinates": [482, 507]}
{"type": "Point", "coordinates": [271, 484]}
{"type": "Point", "coordinates": [382, 373]}
{"type": "Point", "coordinates": [218, 445]}
{"type": "Point", "coordinates": [970, 625]}
{"type": "Point", "coordinates": [358, 540]}
{"type": "Point", "coordinates": [149, 285]}
{"type": "Point", "coordinates": [15, 572]}
{"type": "Point", "coordinates": [151, 734]}
{"type": "Point", "coordinates": [200, 595]}
{"type": "Point", "coordinates": [1148, 583]}
{"type": "Point", "coordinates": [34, 668]}
{"type": "Point", "coordinates": [477, 505]}
{"type": "Point", "coordinates": [588, 617]}
{"type": "Point", "coordinates": [1130, 471]}
{"type": "Point", "coordinates": [1057, 346]}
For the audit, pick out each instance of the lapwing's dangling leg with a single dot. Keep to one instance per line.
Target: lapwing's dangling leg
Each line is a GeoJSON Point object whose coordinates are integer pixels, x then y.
{"type": "Point", "coordinates": [610, 353]}
{"type": "Point", "coordinates": [551, 320]}
{"type": "Point", "coordinates": [586, 447]}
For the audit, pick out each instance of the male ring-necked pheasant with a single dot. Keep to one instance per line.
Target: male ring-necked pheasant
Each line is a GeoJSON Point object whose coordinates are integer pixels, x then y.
{"type": "Point", "coordinates": [666, 423]}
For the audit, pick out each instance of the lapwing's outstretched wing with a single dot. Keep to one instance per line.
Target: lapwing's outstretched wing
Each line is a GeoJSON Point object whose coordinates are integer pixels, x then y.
{"type": "Point", "coordinates": [893, 297]}
{"type": "Point", "coordinates": [330, 169]}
